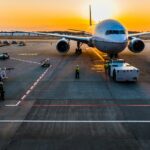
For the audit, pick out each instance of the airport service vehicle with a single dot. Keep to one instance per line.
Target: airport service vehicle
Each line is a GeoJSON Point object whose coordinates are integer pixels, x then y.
{"type": "Point", "coordinates": [14, 42]}
{"type": "Point", "coordinates": [4, 56]}
{"type": "Point", "coordinates": [45, 63]}
{"type": "Point", "coordinates": [119, 70]}
{"type": "Point", "coordinates": [6, 43]}
{"type": "Point", "coordinates": [1, 44]}
{"type": "Point", "coordinates": [3, 74]}
{"type": "Point", "coordinates": [21, 43]}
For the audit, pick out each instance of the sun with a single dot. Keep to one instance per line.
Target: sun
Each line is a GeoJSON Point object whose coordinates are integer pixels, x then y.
{"type": "Point", "coordinates": [103, 9]}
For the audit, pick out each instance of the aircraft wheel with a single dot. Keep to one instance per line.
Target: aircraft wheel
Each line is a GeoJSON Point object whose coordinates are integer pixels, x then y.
{"type": "Point", "coordinates": [78, 51]}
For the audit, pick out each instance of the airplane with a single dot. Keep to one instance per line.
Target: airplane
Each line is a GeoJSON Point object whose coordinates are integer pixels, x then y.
{"type": "Point", "coordinates": [110, 37]}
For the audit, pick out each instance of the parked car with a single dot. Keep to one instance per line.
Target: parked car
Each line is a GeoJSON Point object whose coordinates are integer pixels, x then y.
{"type": "Point", "coordinates": [14, 42]}
{"type": "Point", "coordinates": [45, 63]}
{"type": "Point", "coordinates": [21, 43]}
{"type": "Point", "coordinates": [6, 43]}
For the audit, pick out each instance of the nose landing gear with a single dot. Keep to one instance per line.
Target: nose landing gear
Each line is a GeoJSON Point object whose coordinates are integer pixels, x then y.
{"type": "Point", "coordinates": [113, 56]}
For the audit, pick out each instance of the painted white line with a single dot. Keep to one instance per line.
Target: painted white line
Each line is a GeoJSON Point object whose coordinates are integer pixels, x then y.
{"type": "Point", "coordinates": [26, 61]}
{"type": "Point", "coordinates": [23, 97]}
{"type": "Point", "coordinates": [38, 80]}
{"type": "Point", "coordinates": [18, 103]}
{"type": "Point", "coordinates": [74, 121]}
{"type": "Point", "coordinates": [28, 54]}
{"type": "Point", "coordinates": [30, 90]}
{"type": "Point", "coordinates": [11, 105]}
{"type": "Point", "coordinates": [35, 84]}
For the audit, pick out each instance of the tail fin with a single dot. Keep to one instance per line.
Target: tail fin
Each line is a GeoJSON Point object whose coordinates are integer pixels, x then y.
{"type": "Point", "coordinates": [90, 13]}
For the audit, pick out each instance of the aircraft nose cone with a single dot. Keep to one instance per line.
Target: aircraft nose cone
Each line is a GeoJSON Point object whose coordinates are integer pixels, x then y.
{"type": "Point", "coordinates": [121, 39]}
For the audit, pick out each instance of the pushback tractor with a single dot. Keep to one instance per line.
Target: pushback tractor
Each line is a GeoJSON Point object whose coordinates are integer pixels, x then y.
{"type": "Point", "coordinates": [121, 71]}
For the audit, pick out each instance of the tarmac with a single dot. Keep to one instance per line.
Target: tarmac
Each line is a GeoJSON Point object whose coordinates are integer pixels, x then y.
{"type": "Point", "coordinates": [47, 108]}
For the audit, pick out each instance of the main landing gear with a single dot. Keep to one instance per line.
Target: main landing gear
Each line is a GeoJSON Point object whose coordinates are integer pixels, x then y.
{"type": "Point", "coordinates": [78, 49]}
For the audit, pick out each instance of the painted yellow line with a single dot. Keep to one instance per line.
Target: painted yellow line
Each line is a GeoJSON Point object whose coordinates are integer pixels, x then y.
{"type": "Point", "coordinates": [98, 54]}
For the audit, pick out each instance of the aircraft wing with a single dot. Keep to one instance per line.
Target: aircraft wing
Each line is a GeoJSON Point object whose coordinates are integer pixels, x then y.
{"type": "Point", "coordinates": [138, 34]}
{"type": "Point", "coordinates": [75, 38]}
{"type": "Point", "coordinates": [69, 37]}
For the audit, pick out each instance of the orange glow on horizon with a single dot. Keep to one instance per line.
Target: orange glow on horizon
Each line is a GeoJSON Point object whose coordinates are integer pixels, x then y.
{"type": "Point", "coordinates": [36, 15]}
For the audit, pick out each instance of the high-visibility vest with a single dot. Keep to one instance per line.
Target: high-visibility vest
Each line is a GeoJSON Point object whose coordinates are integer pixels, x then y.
{"type": "Point", "coordinates": [77, 69]}
{"type": "Point", "coordinates": [106, 66]}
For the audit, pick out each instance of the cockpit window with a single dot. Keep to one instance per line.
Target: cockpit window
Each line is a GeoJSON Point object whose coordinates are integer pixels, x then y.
{"type": "Point", "coordinates": [108, 32]}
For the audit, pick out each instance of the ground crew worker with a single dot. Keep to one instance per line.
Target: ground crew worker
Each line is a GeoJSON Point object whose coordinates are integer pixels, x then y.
{"type": "Point", "coordinates": [106, 66]}
{"type": "Point", "coordinates": [77, 72]}
{"type": "Point", "coordinates": [2, 92]}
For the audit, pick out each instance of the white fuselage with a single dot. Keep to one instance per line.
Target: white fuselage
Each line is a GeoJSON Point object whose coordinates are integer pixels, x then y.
{"type": "Point", "coordinates": [110, 37]}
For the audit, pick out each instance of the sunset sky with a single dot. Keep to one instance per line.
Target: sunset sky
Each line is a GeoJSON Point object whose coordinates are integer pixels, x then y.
{"type": "Point", "coordinates": [40, 15]}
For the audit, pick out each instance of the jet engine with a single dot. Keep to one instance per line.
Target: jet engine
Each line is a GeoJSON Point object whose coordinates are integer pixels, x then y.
{"type": "Point", "coordinates": [63, 46]}
{"type": "Point", "coordinates": [136, 45]}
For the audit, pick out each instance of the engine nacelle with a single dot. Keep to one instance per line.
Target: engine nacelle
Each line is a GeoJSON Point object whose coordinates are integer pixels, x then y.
{"type": "Point", "coordinates": [63, 46]}
{"type": "Point", "coordinates": [136, 45]}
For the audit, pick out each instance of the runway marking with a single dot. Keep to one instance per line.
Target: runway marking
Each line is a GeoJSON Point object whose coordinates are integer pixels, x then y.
{"type": "Point", "coordinates": [30, 89]}
{"type": "Point", "coordinates": [74, 121]}
{"type": "Point", "coordinates": [34, 85]}
{"type": "Point", "coordinates": [18, 103]}
{"type": "Point", "coordinates": [92, 105]}
{"type": "Point", "coordinates": [23, 97]}
{"type": "Point", "coordinates": [26, 61]}
{"type": "Point", "coordinates": [28, 54]}
{"type": "Point", "coordinates": [28, 92]}
{"type": "Point", "coordinates": [11, 105]}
